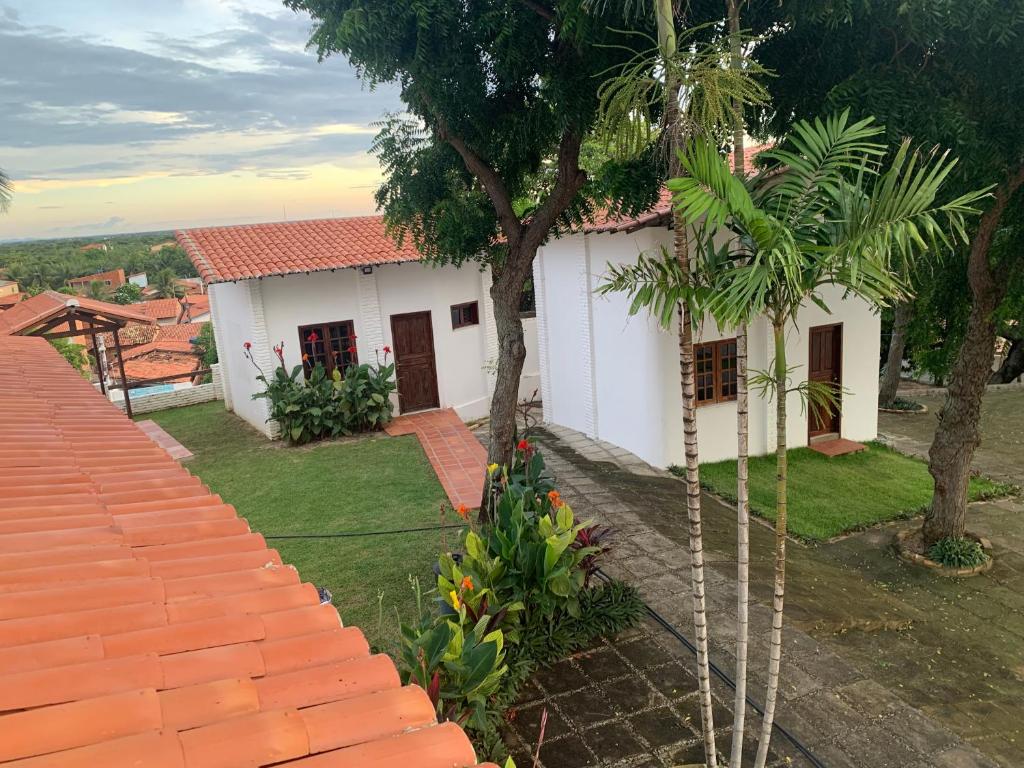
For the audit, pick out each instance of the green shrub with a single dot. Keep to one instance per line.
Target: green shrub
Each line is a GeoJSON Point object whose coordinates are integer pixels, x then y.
{"type": "Point", "coordinates": [518, 596]}
{"type": "Point", "coordinates": [325, 406]}
{"type": "Point", "coordinates": [957, 552]}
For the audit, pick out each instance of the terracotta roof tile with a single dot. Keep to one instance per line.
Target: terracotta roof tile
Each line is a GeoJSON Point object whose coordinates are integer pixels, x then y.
{"type": "Point", "coordinates": [143, 623]}
{"type": "Point", "coordinates": [180, 332]}
{"type": "Point", "coordinates": [158, 309]}
{"type": "Point", "coordinates": [49, 304]}
{"type": "Point", "coordinates": [260, 250]}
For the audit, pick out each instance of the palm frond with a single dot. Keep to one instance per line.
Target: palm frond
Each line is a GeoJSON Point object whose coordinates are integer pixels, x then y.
{"type": "Point", "coordinates": [655, 283]}
{"type": "Point", "coordinates": [6, 192]}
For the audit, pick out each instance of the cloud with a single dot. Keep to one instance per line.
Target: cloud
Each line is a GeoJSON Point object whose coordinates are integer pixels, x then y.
{"type": "Point", "coordinates": [114, 222]}
{"type": "Point", "coordinates": [243, 97]}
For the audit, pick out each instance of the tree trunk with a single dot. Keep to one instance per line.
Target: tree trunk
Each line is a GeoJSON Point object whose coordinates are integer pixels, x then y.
{"type": "Point", "coordinates": [894, 362]}
{"type": "Point", "coordinates": [958, 435]}
{"type": "Point", "coordinates": [781, 470]}
{"type": "Point", "coordinates": [1013, 366]}
{"type": "Point", "coordinates": [506, 292]}
{"type": "Point", "coordinates": [742, 439]}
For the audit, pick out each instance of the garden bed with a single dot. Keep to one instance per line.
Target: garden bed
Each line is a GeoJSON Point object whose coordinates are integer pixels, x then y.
{"type": "Point", "coordinates": [907, 407]}
{"type": "Point", "coordinates": [910, 548]}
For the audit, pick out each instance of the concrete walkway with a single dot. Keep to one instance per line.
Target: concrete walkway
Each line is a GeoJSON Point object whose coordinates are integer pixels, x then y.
{"type": "Point", "coordinates": [156, 433]}
{"type": "Point", "coordinates": [455, 454]}
{"type": "Point", "coordinates": [842, 701]}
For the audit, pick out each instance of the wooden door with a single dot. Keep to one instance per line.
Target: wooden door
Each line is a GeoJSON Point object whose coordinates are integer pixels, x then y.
{"type": "Point", "coordinates": [825, 365]}
{"type": "Point", "coordinates": [415, 368]}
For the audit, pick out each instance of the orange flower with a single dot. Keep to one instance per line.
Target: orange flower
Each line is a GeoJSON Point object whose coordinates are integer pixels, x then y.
{"type": "Point", "coordinates": [462, 511]}
{"type": "Point", "coordinates": [467, 583]}
{"type": "Point", "coordinates": [556, 499]}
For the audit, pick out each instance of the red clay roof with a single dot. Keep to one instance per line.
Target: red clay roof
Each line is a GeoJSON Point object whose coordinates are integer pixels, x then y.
{"type": "Point", "coordinates": [180, 332]}
{"type": "Point", "coordinates": [11, 300]}
{"type": "Point", "coordinates": [159, 309]}
{"type": "Point", "coordinates": [143, 623]}
{"type": "Point", "coordinates": [167, 345]}
{"type": "Point", "coordinates": [259, 250]}
{"type": "Point", "coordinates": [196, 305]}
{"type": "Point", "coordinates": [661, 212]}
{"type": "Point", "coordinates": [161, 364]}
{"type": "Point", "coordinates": [49, 304]}
{"type": "Point", "coordinates": [115, 276]}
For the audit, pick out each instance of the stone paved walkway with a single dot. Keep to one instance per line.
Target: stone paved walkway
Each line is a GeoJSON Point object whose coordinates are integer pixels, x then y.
{"type": "Point", "coordinates": [455, 454]}
{"type": "Point", "coordinates": [156, 433]}
{"type": "Point", "coordinates": [839, 697]}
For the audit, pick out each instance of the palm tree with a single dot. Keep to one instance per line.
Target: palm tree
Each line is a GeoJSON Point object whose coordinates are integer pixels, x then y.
{"type": "Point", "coordinates": [6, 192]}
{"type": "Point", "coordinates": [688, 85]}
{"type": "Point", "coordinates": [166, 285]}
{"type": "Point", "coordinates": [821, 214]}
{"type": "Point", "coordinates": [97, 290]}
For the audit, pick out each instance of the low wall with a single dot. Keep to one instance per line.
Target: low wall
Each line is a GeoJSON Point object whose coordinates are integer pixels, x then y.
{"type": "Point", "coordinates": [203, 393]}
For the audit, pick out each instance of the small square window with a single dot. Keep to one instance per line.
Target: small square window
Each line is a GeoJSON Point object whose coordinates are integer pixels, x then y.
{"type": "Point", "coordinates": [333, 345]}
{"type": "Point", "coordinates": [465, 314]}
{"type": "Point", "coordinates": [716, 372]}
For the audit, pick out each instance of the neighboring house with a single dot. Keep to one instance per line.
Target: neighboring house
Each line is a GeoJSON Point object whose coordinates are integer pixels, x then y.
{"type": "Point", "coordinates": [141, 279]}
{"type": "Point", "coordinates": [616, 377]}
{"type": "Point", "coordinates": [111, 280]}
{"type": "Point", "coordinates": [160, 246]}
{"type": "Point", "coordinates": [164, 311]}
{"type": "Point", "coordinates": [8, 288]}
{"type": "Point", "coordinates": [169, 360]}
{"type": "Point", "coordinates": [346, 281]}
{"type": "Point", "coordinates": [11, 300]}
{"type": "Point", "coordinates": [195, 308]}
{"type": "Point", "coordinates": [94, 247]}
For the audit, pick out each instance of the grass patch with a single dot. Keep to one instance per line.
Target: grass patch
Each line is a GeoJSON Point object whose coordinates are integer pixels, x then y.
{"type": "Point", "coordinates": [370, 483]}
{"type": "Point", "coordinates": [828, 497]}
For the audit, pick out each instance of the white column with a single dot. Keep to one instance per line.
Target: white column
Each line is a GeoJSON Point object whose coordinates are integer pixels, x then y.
{"type": "Point", "coordinates": [540, 299]}
{"type": "Point", "coordinates": [261, 349]}
{"type": "Point", "coordinates": [584, 298]}
{"type": "Point", "coordinates": [490, 331]}
{"type": "Point", "coordinates": [218, 338]}
{"type": "Point", "coordinates": [370, 329]}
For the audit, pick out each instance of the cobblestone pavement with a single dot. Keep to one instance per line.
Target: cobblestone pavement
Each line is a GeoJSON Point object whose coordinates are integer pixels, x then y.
{"type": "Point", "coordinates": [842, 708]}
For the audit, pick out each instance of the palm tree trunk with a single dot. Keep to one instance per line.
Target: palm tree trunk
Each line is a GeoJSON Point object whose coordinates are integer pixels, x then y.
{"type": "Point", "coordinates": [687, 375]}
{"type": "Point", "coordinates": [781, 468]}
{"type": "Point", "coordinates": [894, 361]}
{"type": "Point", "coordinates": [742, 441]}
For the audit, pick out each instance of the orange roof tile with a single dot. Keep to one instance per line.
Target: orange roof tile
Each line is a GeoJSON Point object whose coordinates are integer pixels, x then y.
{"type": "Point", "coordinates": [659, 214]}
{"type": "Point", "coordinates": [283, 248]}
{"type": "Point", "coordinates": [181, 332]}
{"type": "Point", "coordinates": [143, 623]}
{"type": "Point", "coordinates": [47, 305]}
{"type": "Point", "coordinates": [160, 309]}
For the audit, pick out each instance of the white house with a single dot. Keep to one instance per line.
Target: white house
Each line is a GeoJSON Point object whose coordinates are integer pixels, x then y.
{"type": "Point", "coordinates": [616, 377]}
{"type": "Point", "coordinates": [344, 283]}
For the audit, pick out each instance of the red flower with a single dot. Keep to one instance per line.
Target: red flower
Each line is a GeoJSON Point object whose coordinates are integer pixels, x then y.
{"type": "Point", "coordinates": [467, 583]}
{"type": "Point", "coordinates": [247, 345]}
{"type": "Point", "coordinates": [524, 445]}
{"type": "Point", "coordinates": [353, 337]}
{"type": "Point", "coordinates": [352, 350]}
{"type": "Point", "coordinates": [313, 337]}
{"type": "Point", "coordinates": [387, 350]}
{"type": "Point", "coordinates": [462, 511]}
{"type": "Point", "coordinates": [305, 358]}
{"type": "Point", "coordinates": [556, 499]}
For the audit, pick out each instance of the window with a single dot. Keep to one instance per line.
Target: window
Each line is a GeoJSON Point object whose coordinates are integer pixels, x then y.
{"type": "Point", "coordinates": [465, 314]}
{"type": "Point", "coordinates": [716, 378]}
{"type": "Point", "coordinates": [333, 345]}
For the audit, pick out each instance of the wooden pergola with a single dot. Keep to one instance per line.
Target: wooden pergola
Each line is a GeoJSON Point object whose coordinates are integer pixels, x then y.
{"type": "Point", "coordinates": [55, 315]}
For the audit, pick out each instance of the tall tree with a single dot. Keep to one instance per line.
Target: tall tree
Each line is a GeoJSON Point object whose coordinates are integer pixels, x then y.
{"type": "Point", "coordinates": [501, 95]}
{"type": "Point", "coordinates": [166, 285]}
{"type": "Point", "coordinates": [695, 88]}
{"type": "Point", "coordinates": [945, 73]}
{"type": "Point", "coordinates": [815, 216]}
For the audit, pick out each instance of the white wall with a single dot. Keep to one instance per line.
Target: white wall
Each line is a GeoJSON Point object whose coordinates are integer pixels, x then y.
{"type": "Point", "coordinates": [369, 301]}
{"type": "Point", "coordinates": [633, 372]}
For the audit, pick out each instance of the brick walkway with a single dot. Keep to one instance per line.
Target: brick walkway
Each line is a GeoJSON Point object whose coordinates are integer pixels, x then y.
{"type": "Point", "coordinates": [155, 432]}
{"type": "Point", "coordinates": [456, 455]}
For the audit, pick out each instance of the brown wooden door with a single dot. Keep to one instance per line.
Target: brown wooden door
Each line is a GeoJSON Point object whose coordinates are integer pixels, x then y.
{"type": "Point", "coordinates": [825, 365]}
{"type": "Point", "coordinates": [416, 371]}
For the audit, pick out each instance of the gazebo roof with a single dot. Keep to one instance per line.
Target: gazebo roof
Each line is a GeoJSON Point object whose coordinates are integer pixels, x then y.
{"type": "Point", "coordinates": [50, 309]}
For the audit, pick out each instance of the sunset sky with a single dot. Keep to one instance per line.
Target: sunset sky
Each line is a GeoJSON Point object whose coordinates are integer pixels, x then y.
{"type": "Point", "coordinates": [127, 116]}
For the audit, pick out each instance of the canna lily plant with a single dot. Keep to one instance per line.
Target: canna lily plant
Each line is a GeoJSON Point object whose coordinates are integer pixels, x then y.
{"type": "Point", "coordinates": [826, 209]}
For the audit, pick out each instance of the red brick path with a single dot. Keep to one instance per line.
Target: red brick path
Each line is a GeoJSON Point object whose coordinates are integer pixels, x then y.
{"type": "Point", "coordinates": [456, 455]}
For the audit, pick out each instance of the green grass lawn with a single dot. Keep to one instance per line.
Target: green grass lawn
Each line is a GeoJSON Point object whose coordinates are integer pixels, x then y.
{"type": "Point", "coordinates": [371, 483]}
{"type": "Point", "coordinates": [828, 497]}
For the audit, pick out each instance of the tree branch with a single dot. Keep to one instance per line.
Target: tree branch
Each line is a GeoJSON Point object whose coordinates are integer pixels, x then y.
{"type": "Point", "coordinates": [540, 10]}
{"type": "Point", "coordinates": [493, 184]}
{"type": "Point", "coordinates": [981, 277]}
{"type": "Point", "coordinates": [568, 181]}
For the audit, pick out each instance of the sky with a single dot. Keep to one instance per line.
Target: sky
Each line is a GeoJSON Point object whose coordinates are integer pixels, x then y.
{"type": "Point", "coordinates": [128, 116]}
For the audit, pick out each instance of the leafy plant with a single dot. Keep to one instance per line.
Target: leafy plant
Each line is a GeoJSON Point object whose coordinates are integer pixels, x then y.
{"type": "Point", "coordinates": [957, 552]}
{"type": "Point", "coordinates": [75, 354]}
{"type": "Point", "coordinates": [128, 293]}
{"type": "Point", "coordinates": [323, 405]}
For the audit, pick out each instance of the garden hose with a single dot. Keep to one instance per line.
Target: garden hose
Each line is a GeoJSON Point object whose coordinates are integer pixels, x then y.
{"type": "Point", "coordinates": [717, 671]}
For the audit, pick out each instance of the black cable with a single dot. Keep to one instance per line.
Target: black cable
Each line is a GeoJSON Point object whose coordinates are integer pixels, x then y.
{"type": "Point", "coordinates": [721, 675]}
{"type": "Point", "coordinates": [355, 534]}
